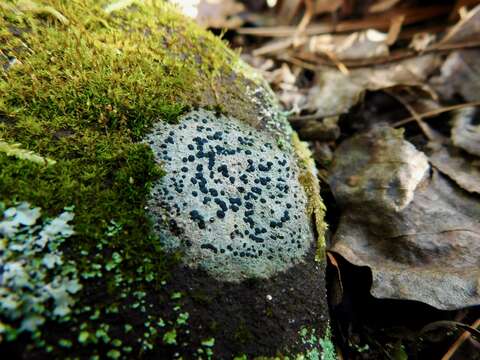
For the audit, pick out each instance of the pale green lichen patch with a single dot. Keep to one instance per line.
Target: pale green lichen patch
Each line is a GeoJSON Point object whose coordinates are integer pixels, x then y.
{"type": "Point", "coordinates": [36, 282]}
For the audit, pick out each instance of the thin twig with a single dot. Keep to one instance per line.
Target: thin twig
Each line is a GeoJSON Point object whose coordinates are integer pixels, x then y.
{"type": "Point", "coordinates": [307, 17]}
{"type": "Point", "coordinates": [299, 62]}
{"type": "Point", "coordinates": [465, 336]}
{"type": "Point", "coordinates": [395, 28]}
{"type": "Point", "coordinates": [436, 112]}
{"type": "Point", "coordinates": [340, 66]}
{"type": "Point", "coordinates": [375, 22]}
{"type": "Point", "coordinates": [394, 57]}
{"type": "Point", "coordinates": [418, 118]}
{"type": "Point", "coordinates": [274, 46]}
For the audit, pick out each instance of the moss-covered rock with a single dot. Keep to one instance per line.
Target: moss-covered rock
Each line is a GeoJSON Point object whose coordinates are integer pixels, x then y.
{"type": "Point", "coordinates": [91, 96]}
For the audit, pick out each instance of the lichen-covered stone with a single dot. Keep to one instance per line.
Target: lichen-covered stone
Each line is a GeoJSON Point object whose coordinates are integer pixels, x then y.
{"type": "Point", "coordinates": [231, 200]}
{"type": "Point", "coordinates": [85, 87]}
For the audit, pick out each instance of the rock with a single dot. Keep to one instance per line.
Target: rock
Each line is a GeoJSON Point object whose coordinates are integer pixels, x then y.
{"type": "Point", "coordinates": [378, 169]}
{"type": "Point", "coordinates": [145, 98]}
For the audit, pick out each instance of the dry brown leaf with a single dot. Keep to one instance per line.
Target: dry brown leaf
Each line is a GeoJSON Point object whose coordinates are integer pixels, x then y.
{"type": "Point", "coordinates": [461, 168]}
{"type": "Point", "coordinates": [460, 75]}
{"type": "Point", "coordinates": [421, 41]}
{"type": "Point", "coordinates": [334, 92]}
{"type": "Point", "coordinates": [358, 45]}
{"type": "Point", "coordinates": [424, 249]}
{"type": "Point", "coordinates": [468, 28]}
{"type": "Point", "coordinates": [219, 13]}
{"type": "Point", "coordinates": [281, 76]}
{"type": "Point", "coordinates": [466, 130]}
{"type": "Point", "coordinates": [283, 81]}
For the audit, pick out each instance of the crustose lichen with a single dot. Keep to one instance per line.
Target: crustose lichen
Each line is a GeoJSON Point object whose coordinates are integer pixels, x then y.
{"type": "Point", "coordinates": [231, 200]}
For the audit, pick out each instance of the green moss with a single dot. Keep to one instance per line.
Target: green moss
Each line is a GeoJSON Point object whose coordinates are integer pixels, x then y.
{"type": "Point", "coordinates": [112, 70]}
{"type": "Point", "coordinates": [243, 335]}
{"type": "Point", "coordinates": [82, 92]}
{"type": "Point", "coordinates": [318, 348]}
{"type": "Point", "coordinates": [315, 348]}
{"type": "Point", "coordinates": [316, 207]}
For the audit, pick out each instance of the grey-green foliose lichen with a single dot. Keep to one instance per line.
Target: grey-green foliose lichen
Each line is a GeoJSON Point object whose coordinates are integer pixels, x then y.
{"type": "Point", "coordinates": [36, 282]}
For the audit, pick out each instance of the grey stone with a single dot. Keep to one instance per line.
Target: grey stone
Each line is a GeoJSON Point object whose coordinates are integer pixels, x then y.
{"type": "Point", "coordinates": [377, 168]}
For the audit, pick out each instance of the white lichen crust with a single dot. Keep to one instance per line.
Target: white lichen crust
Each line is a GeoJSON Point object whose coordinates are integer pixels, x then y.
{"type": "Point", "coordinates": [231, 200]}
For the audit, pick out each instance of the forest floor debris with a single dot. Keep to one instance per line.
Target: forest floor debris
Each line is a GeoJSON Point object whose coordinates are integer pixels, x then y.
{"type": "Point", "coordinates": [345, 70]}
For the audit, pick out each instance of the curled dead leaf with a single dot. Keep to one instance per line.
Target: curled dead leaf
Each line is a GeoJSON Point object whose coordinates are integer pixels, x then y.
{"type": "Point", "coordinates": [458, 166]}
{"type": "Point", "coordinates": [335, 93]}
{"type": "Point", "coordinates": [460, 75]}
{"type": "Point", "coordinates": [466, 130]}
{"type": "Point", "coordinates": [426, 250]}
